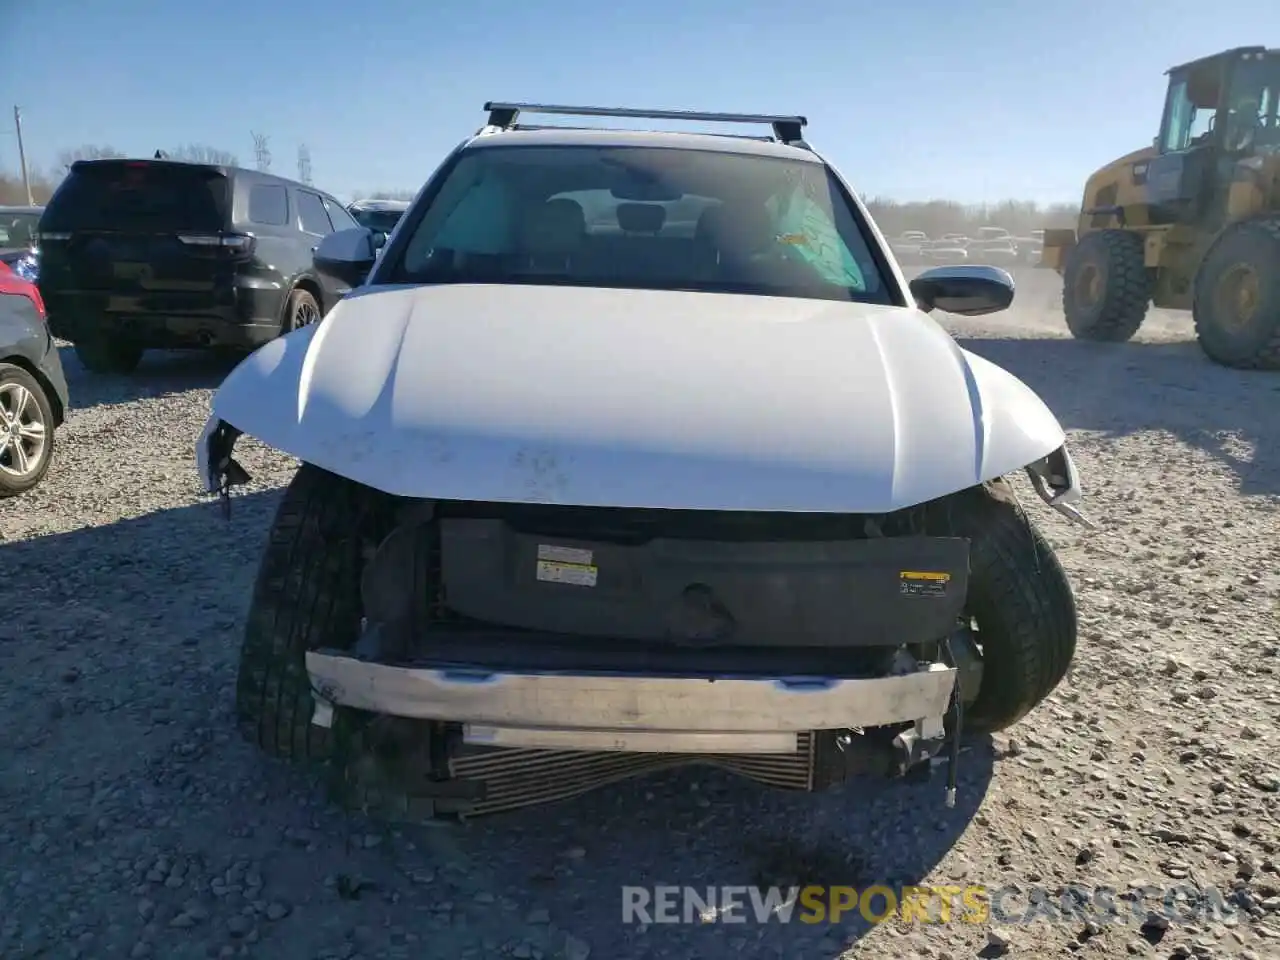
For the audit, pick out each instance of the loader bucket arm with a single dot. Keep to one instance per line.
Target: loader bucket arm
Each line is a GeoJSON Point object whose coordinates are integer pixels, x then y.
{"type": "Point", "coordinates": [1057, 244]}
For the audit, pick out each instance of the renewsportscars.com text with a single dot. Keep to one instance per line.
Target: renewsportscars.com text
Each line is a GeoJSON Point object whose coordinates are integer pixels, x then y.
{"type": "Point", "coordinates": [971, 904]}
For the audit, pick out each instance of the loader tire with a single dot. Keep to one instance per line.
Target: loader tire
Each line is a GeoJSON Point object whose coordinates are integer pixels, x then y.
{"type": "Point", "coordinates": [1236, 299]}
{"type": "Point", "coordinates": [307, 596]}
{"type": "Point", "coordinates": [1020, 602]}
{"type": "Point", "coordinates": [1105, 289]}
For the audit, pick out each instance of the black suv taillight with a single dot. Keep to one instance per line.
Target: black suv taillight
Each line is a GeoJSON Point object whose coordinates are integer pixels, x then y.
{"type": "Point", "coordinates": [235, 244]}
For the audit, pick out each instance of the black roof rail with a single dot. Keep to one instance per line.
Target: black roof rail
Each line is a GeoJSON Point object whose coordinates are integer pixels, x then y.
{"type": "Point", "coordinates": [786, 129]}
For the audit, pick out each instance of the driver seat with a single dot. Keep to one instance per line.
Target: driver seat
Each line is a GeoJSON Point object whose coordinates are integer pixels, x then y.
{"type": "Point", "coordinates": [736, 234]}
{"type": "Point", "coordinates": [552, 235]}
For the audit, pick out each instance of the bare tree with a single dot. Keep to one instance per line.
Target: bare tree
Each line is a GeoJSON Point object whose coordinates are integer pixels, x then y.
{"type": "Point", "coordinates": [203, 153]}
{"type": "Point", "coordinates": [304, 163]}
{"type": "Point", "coordinates": [12, 191]}
{"type": "Point", "coordinates": [262, 150]}
{"type": "Point", "coordinates": [86, 151]}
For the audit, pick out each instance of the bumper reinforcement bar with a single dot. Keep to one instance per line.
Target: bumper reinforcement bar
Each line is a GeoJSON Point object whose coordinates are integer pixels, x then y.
{"type": "Point", "coordinates": [596, 703]}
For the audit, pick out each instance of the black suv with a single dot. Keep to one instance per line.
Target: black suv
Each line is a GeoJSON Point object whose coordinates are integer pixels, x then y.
{"type": "Point", "coordinates": [157, 254]}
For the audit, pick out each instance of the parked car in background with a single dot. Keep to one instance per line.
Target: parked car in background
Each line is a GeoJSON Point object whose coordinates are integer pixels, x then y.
{"type": "Point", "coordinates": [19, 227]}
{"type": "Point", "coordinates": [380, 216]}
{"type": "Point", "coordinates": [1001, 251]}
{"type": "Point", "coordinates": [947, 250]}
{"type": "Point", "coordinates": [995, 245]}
{"type": "Point", "coordinates": [1030, 249]}
{"type": "Point", "coordinates": [159, 254]}
{"type": "Point", "coordinates": [908, 245]}
{"type": "Point", "coordinates": [33, 391]}
{"type": "Point", "coordinates": [1035, 249]}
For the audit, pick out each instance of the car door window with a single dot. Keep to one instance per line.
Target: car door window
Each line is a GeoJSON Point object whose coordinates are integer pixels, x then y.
{"type": "Point", "coordinates": [269, 205]}
{"type": "Point", "coordinates": [339, 217]}
{"type": "Point", "coordinates": [311, 214]}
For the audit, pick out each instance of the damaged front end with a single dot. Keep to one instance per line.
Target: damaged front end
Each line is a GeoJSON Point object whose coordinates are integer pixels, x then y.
{"type": "Point", "coordinates": [521, 654]}
{"type": "Point", "coordinates": [514, 654]}
{"type": "Point", "coordinates": [1057, 482]}
{"type": "Point", "coordinates": [219, 471]}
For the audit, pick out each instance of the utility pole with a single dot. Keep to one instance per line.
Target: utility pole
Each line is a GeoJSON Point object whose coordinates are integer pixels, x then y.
{"type": "Point", "coordinates": [304, 164]}
{"type": "Point", "coordinates": [22, 156]}
{"type": "Point", "coordinates": [262, 150]}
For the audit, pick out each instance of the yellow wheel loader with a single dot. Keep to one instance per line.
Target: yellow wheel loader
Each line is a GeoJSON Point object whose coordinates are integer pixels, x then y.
{"type": "Point", "coordinates": [1191, 222]}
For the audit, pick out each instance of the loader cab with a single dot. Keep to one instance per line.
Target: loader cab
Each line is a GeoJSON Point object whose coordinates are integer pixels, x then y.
{"type": "Point", "coordinates": [1217, 110]}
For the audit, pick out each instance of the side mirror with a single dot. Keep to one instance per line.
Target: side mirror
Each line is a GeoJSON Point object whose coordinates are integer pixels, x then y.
{"type": "Point", "coordinates": [967, 291]}
{"type": "Point", "coordinates": [347, 255]}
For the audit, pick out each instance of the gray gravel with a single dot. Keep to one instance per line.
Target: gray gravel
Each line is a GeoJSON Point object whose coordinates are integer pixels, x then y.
{"type": "Point", "coordinates": [135, 823]}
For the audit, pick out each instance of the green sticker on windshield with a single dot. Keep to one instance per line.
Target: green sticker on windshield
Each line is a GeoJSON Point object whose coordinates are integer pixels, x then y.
{"type": "Point", "coordinates": [819, 242]}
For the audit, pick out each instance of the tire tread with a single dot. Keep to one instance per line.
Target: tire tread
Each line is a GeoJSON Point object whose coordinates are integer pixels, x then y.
{"type": "Point", "coordinates": [1266, 357]}
{"type": "Point", "coordinates": [306, 596]}
{"type": "Point", "coordinates": [1024, 606]}
{"type": "Point", "coordinates": [1128, 289]}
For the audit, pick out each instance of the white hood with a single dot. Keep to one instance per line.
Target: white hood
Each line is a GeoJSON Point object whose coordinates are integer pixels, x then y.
{"type": "Point", "coordinates": [637, 398]}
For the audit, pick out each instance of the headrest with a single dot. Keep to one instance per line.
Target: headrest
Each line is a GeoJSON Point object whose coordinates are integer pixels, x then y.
{"type": "Point", "coordinates": [710, 226]}
{"type": "Point", "coordinates": [740, 229]}
{"type": "Point", "coordinates": [641, 217]}
{"type": "Point", "coordinates": [555, 226]}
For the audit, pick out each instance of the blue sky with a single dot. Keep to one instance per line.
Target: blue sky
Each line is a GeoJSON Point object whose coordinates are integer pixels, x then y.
{"type": "Point", "coordinates": [914, 99]}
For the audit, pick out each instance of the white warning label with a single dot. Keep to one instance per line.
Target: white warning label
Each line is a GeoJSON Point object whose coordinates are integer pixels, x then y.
{"type": "Point", "coordinates": [577, 574]}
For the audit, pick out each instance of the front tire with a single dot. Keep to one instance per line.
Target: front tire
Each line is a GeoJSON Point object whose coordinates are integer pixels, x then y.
{"type": "Point", "coordinates": [1105, 290]}
{"type": "Point", "coordinates": [1021, 603]}
{"type": "Point", "coordinates": [1236, 304]}
{"type": "Point", "coordinates": [307, 596]}
{"type": "Point", "coordinates": [26, 431]}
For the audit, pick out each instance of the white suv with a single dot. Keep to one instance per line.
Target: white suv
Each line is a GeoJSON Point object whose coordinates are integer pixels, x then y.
{"type": "Point", "coordinates": [637, 448]}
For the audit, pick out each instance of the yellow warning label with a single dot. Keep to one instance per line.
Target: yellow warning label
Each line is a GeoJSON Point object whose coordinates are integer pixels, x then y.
{"type": "Point", "coordinates": [923, 583]}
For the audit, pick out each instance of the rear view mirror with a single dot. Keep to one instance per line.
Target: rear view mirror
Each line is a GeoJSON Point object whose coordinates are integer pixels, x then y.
{"type": "Point", "coordinates": [645, 191]}
{"type": "Point", "coordinates": [347, 255]}
{"type": "Point", "coordinates": [964, 290]}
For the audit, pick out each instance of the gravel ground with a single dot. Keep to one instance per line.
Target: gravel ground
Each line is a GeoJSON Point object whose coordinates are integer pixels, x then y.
{"type": "Point", "coordinates": [135, 823]}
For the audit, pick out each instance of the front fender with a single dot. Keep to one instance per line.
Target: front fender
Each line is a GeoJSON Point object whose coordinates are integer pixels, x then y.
{"type": "Point", "coordinates": [1023, 434]}
{"type": "Point", "coordinates": [1015, 426]}
{"type": "Point", "coordinates": [261, 396]}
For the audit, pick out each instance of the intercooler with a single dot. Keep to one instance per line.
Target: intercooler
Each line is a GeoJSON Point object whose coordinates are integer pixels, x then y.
{"type": "Point", "coordinates": [515, 777]}
{"type": "Point", "coordinates": [414, 771]}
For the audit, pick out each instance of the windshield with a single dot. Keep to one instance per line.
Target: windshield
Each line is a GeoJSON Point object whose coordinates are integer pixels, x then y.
{"type": "Point", "coordinates": [18, 229]}
{"type": "Point", "coordinates": [384, 221]}
{"type": "Point", "coordinates": [642, 217]}
{"type": "Point", "coordinates": [1253, 111]}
